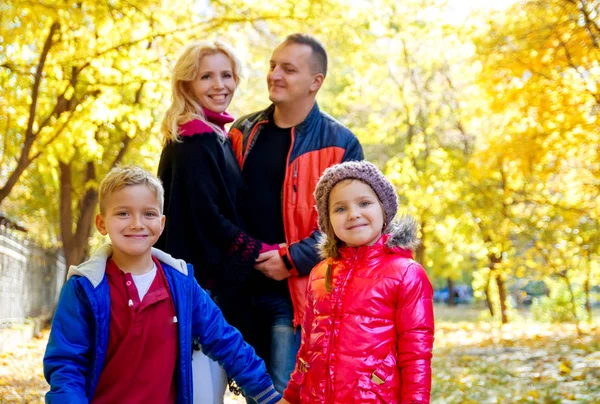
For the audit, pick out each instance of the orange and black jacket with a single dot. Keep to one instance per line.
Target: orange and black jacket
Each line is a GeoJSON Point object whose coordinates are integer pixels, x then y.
{"type": "Point", "coordinates": [317, 143]}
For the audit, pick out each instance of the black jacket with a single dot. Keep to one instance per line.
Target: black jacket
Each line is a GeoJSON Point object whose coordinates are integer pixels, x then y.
{"type": "Point", "coordinates": [202, 178]}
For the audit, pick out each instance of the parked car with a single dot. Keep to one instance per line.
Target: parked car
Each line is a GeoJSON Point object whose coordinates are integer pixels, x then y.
{"type": "Point", "coordinates": [463, 294]}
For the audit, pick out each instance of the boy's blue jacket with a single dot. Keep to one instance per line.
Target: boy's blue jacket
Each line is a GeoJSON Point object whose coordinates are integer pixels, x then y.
{"type": "Point", "coordinates": [78, 341]}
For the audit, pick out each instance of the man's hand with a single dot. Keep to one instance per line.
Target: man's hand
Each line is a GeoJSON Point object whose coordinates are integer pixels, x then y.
{"type": "Point", "coordinates": [271, 264]}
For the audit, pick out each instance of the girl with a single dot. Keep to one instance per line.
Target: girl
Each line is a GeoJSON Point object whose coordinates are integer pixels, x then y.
{"type": "Point", "coordinates": [202, 178]}
{"type": "Point", "coordinates": [368, 330]}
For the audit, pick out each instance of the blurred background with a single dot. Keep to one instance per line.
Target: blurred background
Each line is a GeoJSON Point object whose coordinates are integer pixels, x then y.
{"type": "Point", "coordinates": [484, 115]}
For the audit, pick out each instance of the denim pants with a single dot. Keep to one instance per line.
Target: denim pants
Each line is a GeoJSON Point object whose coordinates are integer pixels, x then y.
{"type": "Point", "coordinates": [274, 337]}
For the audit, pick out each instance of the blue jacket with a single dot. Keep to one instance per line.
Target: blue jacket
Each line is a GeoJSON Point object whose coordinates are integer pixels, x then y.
{"type": "Point", "coordinates": [79, 337]}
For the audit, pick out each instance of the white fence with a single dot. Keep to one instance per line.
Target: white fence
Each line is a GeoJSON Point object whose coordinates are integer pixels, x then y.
{"type": "Point", "coordinates": [30, 278]}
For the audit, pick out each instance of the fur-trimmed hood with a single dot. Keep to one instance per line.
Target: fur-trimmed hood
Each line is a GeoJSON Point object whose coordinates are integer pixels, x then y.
{"type": "Point", "coordinates": [402, 233]}
{"type": "Point", "coordinates": [94, 268]}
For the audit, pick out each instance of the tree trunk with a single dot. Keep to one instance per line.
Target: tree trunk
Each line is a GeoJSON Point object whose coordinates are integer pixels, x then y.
{"type": "Point", "coordinates": [565, 276]}
{"type": "Point", "coordinates": [487, 294]}
{"type": "Point", "coordinates": [502, 295]}
{"type": "Point", "coordinates": [75, 243]}
{"type": "Point", "coordinates": [451, 299]}
{"type": "Point", "coordinates": [586, 289]}
{"type": "Point", "coordinates": [420, 252]}
{"type": "Point", "coordinates": [588, 304]}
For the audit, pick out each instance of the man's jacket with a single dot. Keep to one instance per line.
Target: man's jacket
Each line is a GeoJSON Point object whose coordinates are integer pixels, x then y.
{"type": "Point", "coordinates": [318, 142]}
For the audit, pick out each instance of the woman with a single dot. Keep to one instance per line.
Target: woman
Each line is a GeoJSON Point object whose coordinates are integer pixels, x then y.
{"type": "Point", "coordinates": [201, 177]}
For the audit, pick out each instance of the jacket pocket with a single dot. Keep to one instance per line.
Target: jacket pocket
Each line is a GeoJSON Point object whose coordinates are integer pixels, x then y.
{"type": "Point", "coordinates": [381, 383]}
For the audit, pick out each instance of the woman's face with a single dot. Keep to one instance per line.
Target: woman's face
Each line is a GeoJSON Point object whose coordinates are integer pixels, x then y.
{"type": "Point", "coordinates": [215, 84]}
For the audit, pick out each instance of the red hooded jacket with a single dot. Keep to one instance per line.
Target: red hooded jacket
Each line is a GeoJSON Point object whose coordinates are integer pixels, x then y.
{"type": "Point", "coordinates": [369, 339]}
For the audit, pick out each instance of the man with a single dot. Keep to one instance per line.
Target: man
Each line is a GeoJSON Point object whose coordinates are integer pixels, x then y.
{"type": "Point", "coordinates": [283, 151]}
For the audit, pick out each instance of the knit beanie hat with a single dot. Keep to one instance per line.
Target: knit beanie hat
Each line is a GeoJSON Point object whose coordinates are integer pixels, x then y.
{"type": "Point", "coordinates": [357, 170]}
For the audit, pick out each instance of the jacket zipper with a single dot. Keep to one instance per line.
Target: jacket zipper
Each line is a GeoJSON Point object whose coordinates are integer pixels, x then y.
{"type": "Point", "coordinates": [251, 137]}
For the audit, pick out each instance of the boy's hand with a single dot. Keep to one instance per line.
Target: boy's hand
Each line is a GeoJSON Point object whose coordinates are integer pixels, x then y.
{"type": "Point", "coordinates": [283, 401]}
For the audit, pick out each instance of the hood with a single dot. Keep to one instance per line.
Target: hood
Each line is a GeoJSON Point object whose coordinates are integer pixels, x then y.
{"type": "Point", "coordinates": [401, 233]}
{"type": "Point", "coordinates": [94, 268]}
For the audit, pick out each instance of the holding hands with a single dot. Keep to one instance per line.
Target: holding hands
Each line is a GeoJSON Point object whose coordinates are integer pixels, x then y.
{"type": "Point", "coordinates": [271, 264]}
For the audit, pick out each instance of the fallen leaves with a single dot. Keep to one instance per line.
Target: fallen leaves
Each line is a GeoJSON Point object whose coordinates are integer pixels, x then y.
{"type": "Point", "coordinates": [474, 362]}
{"type": "Point", "coordinates": [515, 363]}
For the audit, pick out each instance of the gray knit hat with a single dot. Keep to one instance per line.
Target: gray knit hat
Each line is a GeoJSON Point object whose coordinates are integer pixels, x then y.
{"type": "Point", "coordinates": [358, 170]}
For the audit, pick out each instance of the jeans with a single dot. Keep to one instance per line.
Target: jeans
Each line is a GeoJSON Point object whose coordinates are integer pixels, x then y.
{"type": "Point", "coordinates": [274, 337]}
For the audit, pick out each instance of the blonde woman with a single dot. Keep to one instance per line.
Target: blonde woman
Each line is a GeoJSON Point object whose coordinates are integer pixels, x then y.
{"type": "Point", "coordinates": [201, 177]}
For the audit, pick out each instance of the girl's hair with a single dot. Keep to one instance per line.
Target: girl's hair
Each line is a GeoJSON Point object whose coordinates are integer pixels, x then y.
{"type": "Point", "coordinates": [184, 106]}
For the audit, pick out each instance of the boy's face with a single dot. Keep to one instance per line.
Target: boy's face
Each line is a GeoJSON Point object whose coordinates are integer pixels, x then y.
{"type": "Point", "coordinates": [132, 219]}
{"type": "Point", "coordinates": [355, 213]}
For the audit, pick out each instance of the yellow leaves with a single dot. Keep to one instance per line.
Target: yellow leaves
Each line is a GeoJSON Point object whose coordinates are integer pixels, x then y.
{"type": "Point", "coordinates": [564, 368]}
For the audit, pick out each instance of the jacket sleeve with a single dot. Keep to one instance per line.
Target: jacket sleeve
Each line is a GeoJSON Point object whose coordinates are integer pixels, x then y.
{"type": "Point", "coordinates": [206, 182]}
{"type": "Point", "coordinates": [303, 255]}
{"type": "Point", "coordinates": [415, 325]}
{"type": "Point", "coordinates": [67, 360]}
{"type": "Point", "coordinates": [354, 151]}
{"type": "Point", "coordinates": [292, 392]}
{"type": "Point", "coordinates": [224, 344]}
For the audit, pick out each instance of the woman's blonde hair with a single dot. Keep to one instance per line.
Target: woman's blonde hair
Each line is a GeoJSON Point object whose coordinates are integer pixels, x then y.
{"type": "Point", "coordinates": [184, 106]}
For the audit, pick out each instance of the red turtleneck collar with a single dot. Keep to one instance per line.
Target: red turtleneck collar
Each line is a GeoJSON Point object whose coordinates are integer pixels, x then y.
{"type": "Point", "coordinates": [197, 126]}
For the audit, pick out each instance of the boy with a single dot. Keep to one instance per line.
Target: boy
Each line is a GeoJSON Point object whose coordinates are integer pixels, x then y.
{"type": "Point", "coordinates": [123, 327]}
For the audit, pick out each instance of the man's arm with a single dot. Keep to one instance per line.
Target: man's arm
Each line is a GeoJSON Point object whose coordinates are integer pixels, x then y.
{"type": "Point", "coordinates": [301, 257]}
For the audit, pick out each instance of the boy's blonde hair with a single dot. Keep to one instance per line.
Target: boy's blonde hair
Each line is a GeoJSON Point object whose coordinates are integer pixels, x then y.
{"type": "Point", "coordinates": [126, 176]}
{"type": "Point", "coordinates": [184, 106]}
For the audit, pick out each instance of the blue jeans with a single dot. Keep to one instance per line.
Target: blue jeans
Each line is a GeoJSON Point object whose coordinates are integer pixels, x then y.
{"type": "Point", "coordinates": [274, 337]}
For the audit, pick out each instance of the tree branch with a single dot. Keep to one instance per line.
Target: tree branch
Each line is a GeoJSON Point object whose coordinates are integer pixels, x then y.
{"type": "Point", "coordinates": [24, 160]}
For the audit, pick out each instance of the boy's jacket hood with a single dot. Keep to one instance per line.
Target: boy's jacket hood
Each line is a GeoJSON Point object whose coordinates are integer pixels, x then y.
{"type": "Point", "coordinates": [402, 234]}
{"type": "Point", "coordinates": [94, 268]}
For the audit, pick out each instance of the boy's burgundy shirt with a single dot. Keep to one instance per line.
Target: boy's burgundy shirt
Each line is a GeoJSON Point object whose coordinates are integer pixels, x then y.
{"type": "Point", "coordinates": [142, 347]}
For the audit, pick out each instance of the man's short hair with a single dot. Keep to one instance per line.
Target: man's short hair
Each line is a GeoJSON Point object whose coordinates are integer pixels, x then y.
{"type": "Point", "coordinates": [319, 55]}
{"type": "Point", "coordinates": [126, 176]}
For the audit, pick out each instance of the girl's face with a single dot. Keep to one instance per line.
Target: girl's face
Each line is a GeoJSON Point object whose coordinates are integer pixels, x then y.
{"type": "Point", "coordinates": [215, 84]}
{"type": "Point", "coordinates": [355, 213]}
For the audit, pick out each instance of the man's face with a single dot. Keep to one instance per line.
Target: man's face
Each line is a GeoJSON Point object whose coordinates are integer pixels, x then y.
{"type": "Point", "coordinates": [291, 78]}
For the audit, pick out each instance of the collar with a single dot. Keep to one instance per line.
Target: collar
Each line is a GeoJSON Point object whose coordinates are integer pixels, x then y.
{"type": "Point", "coordinates": [385, 245]}
{"type": "Point", "coordinates": [311, 118]}
{"type": "Point", "coordinates": [95, 268]}
{"type": "Point", "coordinates": [197, 126]}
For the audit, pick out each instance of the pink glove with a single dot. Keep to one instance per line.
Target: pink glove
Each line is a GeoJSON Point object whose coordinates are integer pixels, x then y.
{"type": "Point", "coordinates": [268, 247]}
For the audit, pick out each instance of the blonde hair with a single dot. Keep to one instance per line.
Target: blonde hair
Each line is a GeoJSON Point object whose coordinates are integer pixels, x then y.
{"type": "Point", "coordinates": [126, 176]}
{"type": "Point", "coordinates": [184, 106]}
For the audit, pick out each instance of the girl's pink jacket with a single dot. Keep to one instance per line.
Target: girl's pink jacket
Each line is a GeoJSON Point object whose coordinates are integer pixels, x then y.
{"type": "Point", "coordinates": [369, 340]}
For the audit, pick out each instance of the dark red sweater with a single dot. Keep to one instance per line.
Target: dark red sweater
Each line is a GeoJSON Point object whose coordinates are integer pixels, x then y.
{"type": "Point", "coordinates": [142, 347]}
